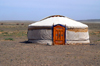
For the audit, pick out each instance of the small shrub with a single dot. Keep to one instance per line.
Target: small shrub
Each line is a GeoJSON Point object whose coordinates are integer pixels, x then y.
{"type": "Point", "coordinates": [1, 23]}
{"type": "Point", "coordinates": [9, 39]}
{"type": "Point", "coordinates": [75, 57]}
{"type": "Point", "coordinates": [17, 24]}
{"type": "Point", "coordinates": [99, 40]}
{"type": "Point", "coordinates": [5, 33]}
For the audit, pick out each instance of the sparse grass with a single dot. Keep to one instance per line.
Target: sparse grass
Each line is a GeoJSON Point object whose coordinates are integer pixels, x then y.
{"type": "Point", "coordinates": [14, 51]}
{"type": "Point", "coordinates": [13, 30]}
{"type": "Point", "coordinates": [92, 33]}
{"type": "Point", "coordinates": [93, 26]}
{"type": "Point", "coordinates": [21, 34]}
{"type": "Point", "coordinates": [95, 33]}
{"type": "Point", "coordinates": [6, 34]}
{"type": "Point", "coordinates": [1, 30]}
{"type": "Point", "coordinates": [11, 39]}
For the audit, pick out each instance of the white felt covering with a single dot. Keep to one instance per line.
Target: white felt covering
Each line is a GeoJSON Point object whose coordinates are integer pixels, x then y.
{"type": "Point", "coordinates": [60, 20]}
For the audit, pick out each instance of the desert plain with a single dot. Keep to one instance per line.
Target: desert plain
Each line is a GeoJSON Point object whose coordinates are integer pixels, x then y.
{"type": "Point", "coordinates": [16, 51]}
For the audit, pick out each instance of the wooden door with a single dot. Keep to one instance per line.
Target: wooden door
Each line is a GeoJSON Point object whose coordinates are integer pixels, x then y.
{"type": "Point", "coordinates": [58, 35]}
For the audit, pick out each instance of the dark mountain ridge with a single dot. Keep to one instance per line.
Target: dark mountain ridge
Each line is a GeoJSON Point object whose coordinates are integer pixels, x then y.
{"type": "Point", "coordinates": [90, 20]}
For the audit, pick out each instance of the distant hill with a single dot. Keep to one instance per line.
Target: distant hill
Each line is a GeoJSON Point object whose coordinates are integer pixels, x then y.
{"type": "Point", "coordinates": [90, 20]}
{"type": "Point", "coordinates": [17, 21]}
{"type": "Point", "coordinates": [29, 21]}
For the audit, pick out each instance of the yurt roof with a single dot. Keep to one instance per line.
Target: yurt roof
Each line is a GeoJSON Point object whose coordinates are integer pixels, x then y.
{"type": "Point", "coordinates": [58, 19]}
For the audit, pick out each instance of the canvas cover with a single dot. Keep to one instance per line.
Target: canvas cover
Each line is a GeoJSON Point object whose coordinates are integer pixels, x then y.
{"type": "Point", "coordinates": [45, 36]}
{"type": "Point", "coordinates": [37, 33]}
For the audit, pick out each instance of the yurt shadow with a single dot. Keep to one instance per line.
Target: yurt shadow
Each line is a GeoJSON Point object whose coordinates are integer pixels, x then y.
{"type": "Point", "coordinates": [26, 42]}
{"type": "Point", "coordinates": [92, 44]}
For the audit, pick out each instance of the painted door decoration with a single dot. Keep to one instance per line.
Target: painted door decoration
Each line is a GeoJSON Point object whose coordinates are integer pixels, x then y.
{"type": "Point", "coordinates": [58, 35]}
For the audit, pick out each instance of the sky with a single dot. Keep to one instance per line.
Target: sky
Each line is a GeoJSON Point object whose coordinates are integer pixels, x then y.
{"type": "Point", "coordinates": [39, 9]}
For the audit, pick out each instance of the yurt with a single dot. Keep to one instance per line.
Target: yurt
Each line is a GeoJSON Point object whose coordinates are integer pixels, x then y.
{"type": "Point", "coordinates": [58, 30]}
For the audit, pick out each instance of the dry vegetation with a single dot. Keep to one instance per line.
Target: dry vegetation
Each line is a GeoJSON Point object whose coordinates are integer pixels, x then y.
{"type": "Point", "coordinates": [15, 51]}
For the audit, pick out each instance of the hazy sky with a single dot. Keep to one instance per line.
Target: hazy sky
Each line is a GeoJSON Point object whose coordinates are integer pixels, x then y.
{"type": "Point", "coordinates": [38, 9]}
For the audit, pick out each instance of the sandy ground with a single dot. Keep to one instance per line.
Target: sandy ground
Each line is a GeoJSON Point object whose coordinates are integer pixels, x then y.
{"type": "Point", "coordinates": [20, 53]}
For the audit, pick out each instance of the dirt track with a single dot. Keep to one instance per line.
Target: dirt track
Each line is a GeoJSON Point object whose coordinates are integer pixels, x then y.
{"type": "Point", "coordinates": [20, 53]}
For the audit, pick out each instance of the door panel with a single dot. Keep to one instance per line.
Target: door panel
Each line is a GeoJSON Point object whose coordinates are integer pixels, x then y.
{"type": "Point", "coordinates": [59, 35]}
